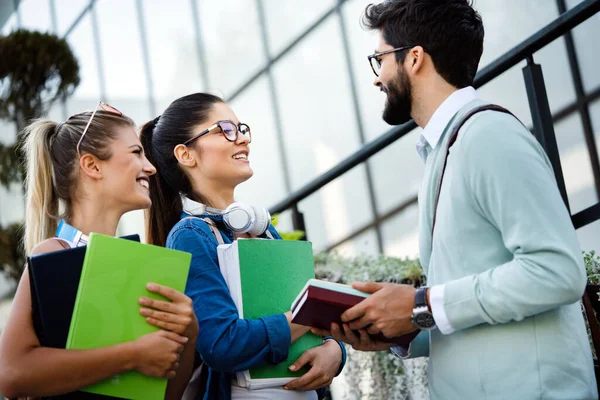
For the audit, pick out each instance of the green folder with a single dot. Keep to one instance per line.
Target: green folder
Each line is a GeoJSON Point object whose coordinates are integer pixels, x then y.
{"type": "Point", "coordinates": [264, 277]}
{"type": "Point", "coordinates": [114, 276]}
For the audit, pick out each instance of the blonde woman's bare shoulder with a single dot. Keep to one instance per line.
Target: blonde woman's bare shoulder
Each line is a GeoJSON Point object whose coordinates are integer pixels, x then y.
{"type": "Point", "coordinates": [49, 246]}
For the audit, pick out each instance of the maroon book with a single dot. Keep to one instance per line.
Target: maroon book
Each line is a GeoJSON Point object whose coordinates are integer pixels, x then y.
{"type": "Point", "coordinates": [320, 306]}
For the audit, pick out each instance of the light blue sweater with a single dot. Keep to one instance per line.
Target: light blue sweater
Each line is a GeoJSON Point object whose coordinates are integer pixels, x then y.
{"type": "Point", "coordinates": [506, 250]}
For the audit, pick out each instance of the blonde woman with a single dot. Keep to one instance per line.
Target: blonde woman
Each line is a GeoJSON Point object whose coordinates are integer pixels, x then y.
{"type": "Point", "coordinates": [92, 167]}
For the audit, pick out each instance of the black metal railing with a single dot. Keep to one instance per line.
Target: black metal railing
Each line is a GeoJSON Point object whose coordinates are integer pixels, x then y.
{"type": "Point", "coordinates": [542, 118]}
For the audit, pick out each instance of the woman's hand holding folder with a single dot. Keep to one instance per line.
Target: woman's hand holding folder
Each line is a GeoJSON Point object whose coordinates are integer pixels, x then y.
{"type": "Point", "coordinates": [178, 317]}
{"type": "Point", "coordinates": [175, 316]}
{"type": "Point", "coordinates": [157, 353]}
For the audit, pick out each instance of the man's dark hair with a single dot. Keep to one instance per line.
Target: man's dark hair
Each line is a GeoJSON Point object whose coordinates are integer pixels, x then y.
{"type": "Point", "coordinates": [450, 31]}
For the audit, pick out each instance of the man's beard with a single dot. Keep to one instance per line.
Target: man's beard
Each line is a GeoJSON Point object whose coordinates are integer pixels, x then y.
{"type": "Point", "coordinates": [398, 105]}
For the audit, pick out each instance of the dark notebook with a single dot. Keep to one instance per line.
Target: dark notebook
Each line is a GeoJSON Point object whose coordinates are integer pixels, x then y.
{"type": "Point", "coordinates": [54, 279]}
{"type": "Point", "coordinates": [320, 303]}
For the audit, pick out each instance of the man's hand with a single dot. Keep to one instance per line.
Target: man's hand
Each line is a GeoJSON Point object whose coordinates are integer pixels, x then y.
{"type": "Point", "coordinates": [362, 341]}
{"type": "Point", "coordinates": [388, 310]}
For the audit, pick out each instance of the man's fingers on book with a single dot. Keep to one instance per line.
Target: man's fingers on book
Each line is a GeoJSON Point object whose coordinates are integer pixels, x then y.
{"type": "Point", "coordinates": [373, 329]}
{"type": "Point", "coordinates": [360, 323]}
{"type": "Point", "coordinates": [350, 336]}
{"type": "Point", "coordinates": [355, 312]}
{"type": "Point", "coordinates": [367, 287]}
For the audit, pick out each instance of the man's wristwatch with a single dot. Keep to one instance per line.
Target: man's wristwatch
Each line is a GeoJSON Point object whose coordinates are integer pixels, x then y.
{"type": "Point", "coordinates": [422, 317]}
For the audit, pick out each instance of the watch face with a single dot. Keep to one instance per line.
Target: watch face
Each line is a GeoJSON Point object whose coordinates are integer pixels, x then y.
{"type": "Point", "coordinates": [424, 320]}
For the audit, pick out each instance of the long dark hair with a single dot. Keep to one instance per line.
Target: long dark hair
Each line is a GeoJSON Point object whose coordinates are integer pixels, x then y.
{"type": "Point", "coordinates": [52, 163]}
{"type": "Point", "coordinates": [159, 138]}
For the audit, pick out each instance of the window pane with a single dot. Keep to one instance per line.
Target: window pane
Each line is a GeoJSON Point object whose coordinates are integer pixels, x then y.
{"type": "Point", "coordinates": [363, 244]}
{"type": "Point", "coordinates": [266, 187]}
{"type": "Point", "coordinates": [87, 94]}
{"type": "Point", "coordinates": [10, 25]}
{"type": "Point", "coordinates": [316, 105]}
{"type": "Point", "coordinates": [320, 131]}
{"type": "Point", "coordinates": [363, 43]}
{"type": "Point", "coordinates": [173, 50]}
{"type": "Point", "coordinates": [575, 162]}
{"type": "Point", "coordinates": [588, 237]}
{"type": "Point", "coordinates": [67, 12]}
{"type": "Point", "coordinates": [400, 233]}
{"type": "Point", "coordinates": [522, 18]}
{"type": "Point", "coordinates": [35, 15]}
{"type": "Point", "coordinates": [337, 210]}
{"type": "Point", "coordinates": [231, 35]}
{"type": "Point", "coordinates": [397, 172]}
{"type": "Point", "coordinates": [132, 223]}
{"type": "Point", "coordinates": [8, 132]}
{"type": "Point", "coordinates": [586, 37]}
{"type": "Point", "coordinates": [12, 206]}
{"type": "Point", "coordinates": [11, 200]}
{"type": "Point", "coordinates": [122, 60]}
{"type": "Point", "coordinates": [509, 91]}
{"type": "Point", "coordinates": [288, 19]}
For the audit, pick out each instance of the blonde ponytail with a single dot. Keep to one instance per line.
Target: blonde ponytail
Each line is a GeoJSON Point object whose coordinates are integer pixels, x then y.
{"type": "Point", "coordinates": [41, 207]}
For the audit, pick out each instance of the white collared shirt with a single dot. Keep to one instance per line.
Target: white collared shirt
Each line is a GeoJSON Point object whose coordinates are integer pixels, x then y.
{"type": "Point", "coordinates": [442, 116]}
{"type": "Point", "coordinates": [429, 139]}
{"type": "Point", "coordinates": [431, 135]}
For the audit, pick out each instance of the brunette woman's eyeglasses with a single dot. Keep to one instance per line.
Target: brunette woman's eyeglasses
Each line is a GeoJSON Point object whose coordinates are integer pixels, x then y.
{"type": "Point", "coordinates": [103, 107]}
{"type": "Point", "coordinates": [228, 128]}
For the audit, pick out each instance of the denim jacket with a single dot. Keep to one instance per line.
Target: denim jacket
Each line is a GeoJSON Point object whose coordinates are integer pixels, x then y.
{"type": "Point", "coordinates": [226, 343]}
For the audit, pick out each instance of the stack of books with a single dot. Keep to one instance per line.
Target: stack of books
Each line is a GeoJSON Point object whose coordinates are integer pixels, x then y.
{"type": "Point", "coordinates": [87, 298]}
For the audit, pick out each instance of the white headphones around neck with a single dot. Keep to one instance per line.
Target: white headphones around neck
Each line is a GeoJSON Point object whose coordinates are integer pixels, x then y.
{"type": "Point", "coordinates": [239, 217]}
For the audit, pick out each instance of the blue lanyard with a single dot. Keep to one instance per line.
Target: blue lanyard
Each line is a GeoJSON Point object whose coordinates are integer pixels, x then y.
{"type": "Point", "coordinates": [73, 235]}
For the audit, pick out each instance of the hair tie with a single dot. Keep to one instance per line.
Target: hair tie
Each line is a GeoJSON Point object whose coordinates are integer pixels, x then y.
{"type": "Point", "coordinates": [58, 126]}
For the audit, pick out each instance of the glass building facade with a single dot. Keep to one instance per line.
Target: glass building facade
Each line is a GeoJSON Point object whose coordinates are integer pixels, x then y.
{"type": "Point", "coordinates": [297, 73]}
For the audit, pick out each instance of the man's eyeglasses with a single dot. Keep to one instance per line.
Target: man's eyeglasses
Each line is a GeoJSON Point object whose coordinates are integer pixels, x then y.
{"type": "Point", "coordinates": [375, 58]}
{"type": "Point", "coordinates": [229, 129]}
{"type": "Point", "coordinates": [103, 107]}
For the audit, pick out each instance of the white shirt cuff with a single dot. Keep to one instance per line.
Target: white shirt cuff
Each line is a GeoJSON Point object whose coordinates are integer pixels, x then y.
{"type": "Point", "coordinates": [436, 301]}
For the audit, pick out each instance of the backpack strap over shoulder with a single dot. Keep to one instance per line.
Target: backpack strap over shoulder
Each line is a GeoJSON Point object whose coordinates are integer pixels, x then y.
{"type": "Point", "coordinates": [213, 228]}
{"type": "Point", "coordinates": [217, 233]}
{"type": "Point", "coordinates": [452, 139]}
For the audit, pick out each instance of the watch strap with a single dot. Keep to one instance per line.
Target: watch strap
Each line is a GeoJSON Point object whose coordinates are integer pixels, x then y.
{"type": "Point", "coordinates": [421, 297]}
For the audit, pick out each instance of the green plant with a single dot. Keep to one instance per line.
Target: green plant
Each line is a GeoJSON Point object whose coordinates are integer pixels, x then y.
{"type": "Point", "coordinates": [11, 256]}
{"type": "Point", "coordinates": [36, 69]}
{"type": "Point", "coordinates": [389, 377]}
{"type": "Point", "coordinates": [592, 267]}
{"type": "Point", "coordinates": [294, 235]}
